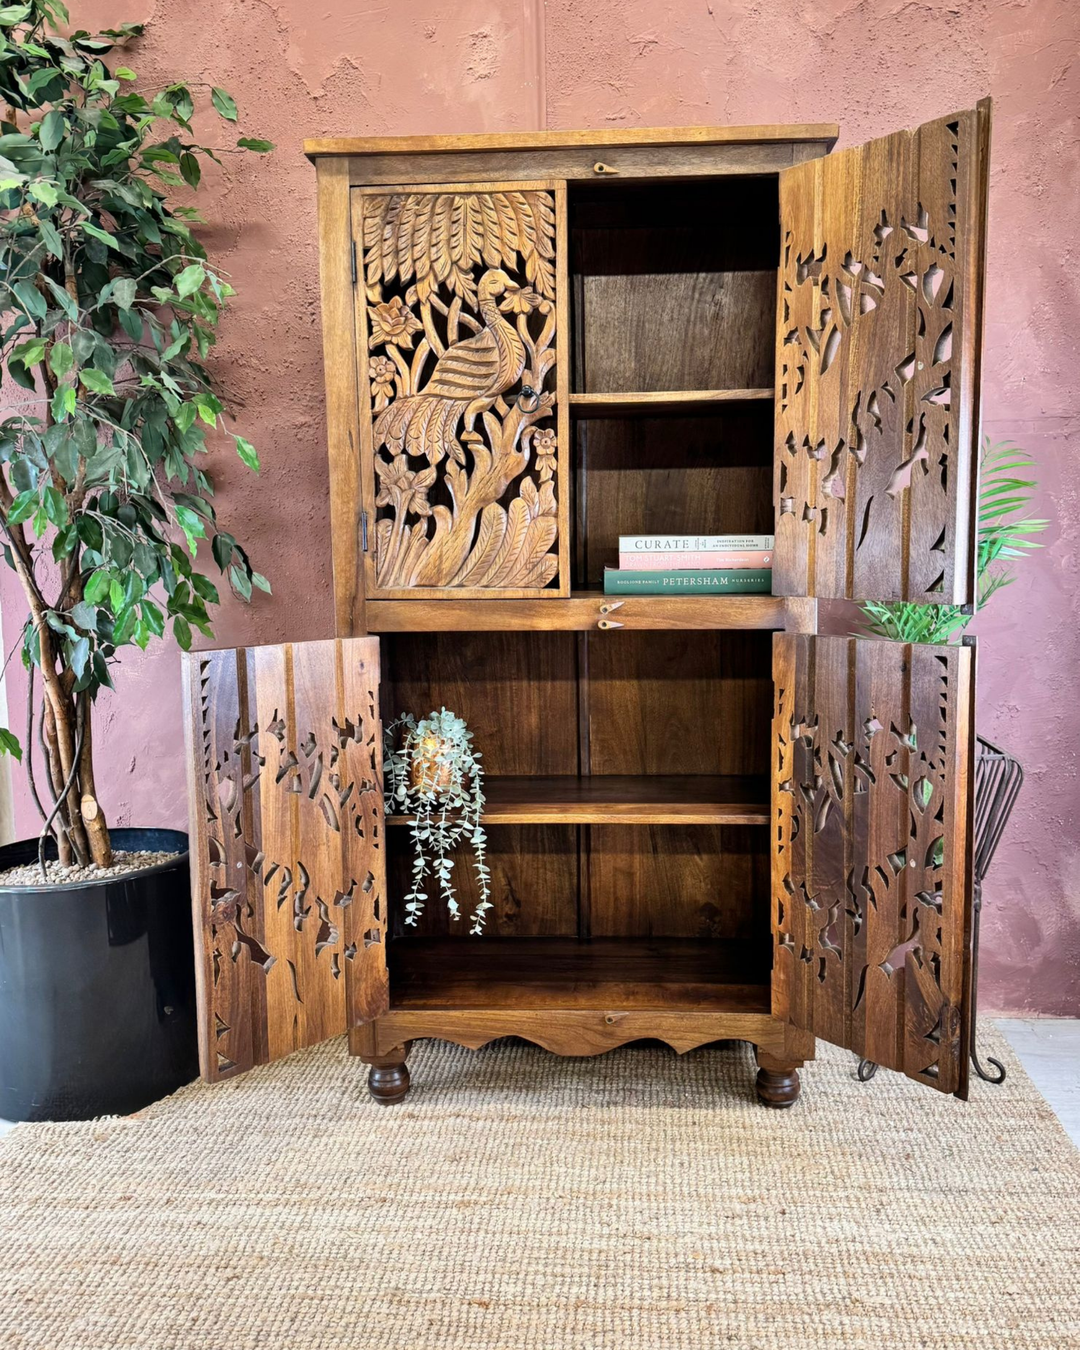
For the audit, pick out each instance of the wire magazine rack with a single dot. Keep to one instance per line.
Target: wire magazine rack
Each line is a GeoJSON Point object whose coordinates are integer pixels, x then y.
{"type": "Point", "coordinates": [998, 780]}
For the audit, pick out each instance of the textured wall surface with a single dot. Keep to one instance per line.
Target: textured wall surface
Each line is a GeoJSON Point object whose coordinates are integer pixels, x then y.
{"type": "Point", "coordinates": [412, 66]}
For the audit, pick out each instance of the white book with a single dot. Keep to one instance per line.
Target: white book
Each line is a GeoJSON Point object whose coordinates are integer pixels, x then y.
{"type": "Point", "coordinates": [694, 543]}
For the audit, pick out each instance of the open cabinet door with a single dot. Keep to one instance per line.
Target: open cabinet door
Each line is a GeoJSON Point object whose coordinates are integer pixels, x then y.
{"type": "Point", "coordinates": [877, 366]}
{"type": "Point", "coordinates": [287, 865]}
{"type": "Point", "coordinates": [872, 849]}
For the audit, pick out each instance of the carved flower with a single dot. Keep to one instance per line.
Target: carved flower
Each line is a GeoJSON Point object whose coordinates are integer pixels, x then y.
{"type": "Point", "coordinates": [394, 322]}
{"type": "Point", "coordinates": [520, 300]}
{"type": "Point", "coordinates": [545, 446]}
{"type": "Point", "coordinates": [382, 371]}
{"type": "Point", "coordinates": [401, 488]}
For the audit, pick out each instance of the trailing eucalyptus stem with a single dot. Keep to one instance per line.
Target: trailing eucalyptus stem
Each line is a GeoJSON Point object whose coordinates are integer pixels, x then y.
{"type": "Point", "coordinates": [108, 312]}
{"type": "Point", "coordinates": [435, 775]}
{"type": "Point", "coordinates": [1004, 536]}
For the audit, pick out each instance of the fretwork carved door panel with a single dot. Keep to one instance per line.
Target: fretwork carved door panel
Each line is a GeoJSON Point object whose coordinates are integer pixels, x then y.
{"type": "Point", "coordinates": [463, 379]}
{"type": "Point", "coordinates": [872, 814]}
{"type": "Point", "coordinates": [288, 872]}
{"type": "Point", "coordinates": [878, 331]}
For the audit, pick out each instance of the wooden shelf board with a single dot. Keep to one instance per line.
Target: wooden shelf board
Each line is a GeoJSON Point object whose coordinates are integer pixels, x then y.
{"type": "Point", "coordinates": [577, 612]}
{"type": "Point", "coordinates": [568, 973]}
{"type": "Point", "coordinates": [614, 799]}
{"type": "Point", "coordinates": [660, 402]}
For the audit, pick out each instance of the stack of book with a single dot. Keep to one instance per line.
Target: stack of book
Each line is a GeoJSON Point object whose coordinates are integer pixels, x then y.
{"type": "Point", "coordinates": [691, 564]}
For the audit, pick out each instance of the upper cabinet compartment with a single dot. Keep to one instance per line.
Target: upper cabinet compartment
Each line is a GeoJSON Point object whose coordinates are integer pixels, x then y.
{"type": "Point", "coordinates": [675, 286]}
{"type": "Point", "coordinates": [876, 454]}
{"type": "Point", "coordinates": [461, 338]}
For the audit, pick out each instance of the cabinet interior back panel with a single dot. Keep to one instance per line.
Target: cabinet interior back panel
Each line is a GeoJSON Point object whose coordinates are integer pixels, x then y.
{"type": "Point", "coordinates": [691, 703]}
{"type": "Point", "coordinates": [699, 881]}
{"type": "Point", "coordinates": [534, 884]}
{"type": "Point", "coordinates": [708, 474]}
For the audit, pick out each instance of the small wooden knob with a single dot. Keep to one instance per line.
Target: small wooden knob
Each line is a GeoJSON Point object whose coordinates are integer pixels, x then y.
{"type": "Point", "coordinates": [601, 168]}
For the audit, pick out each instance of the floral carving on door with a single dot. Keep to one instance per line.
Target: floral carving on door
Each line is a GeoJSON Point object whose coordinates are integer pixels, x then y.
{"type": "Point", "coordinates": [460, 321]}
{"type": "Point", "coordinates": [285, 773]}
{"type": "Point", "coordinates": [876, 367]}
{"type": "Point", "coordinates": [871, 885]}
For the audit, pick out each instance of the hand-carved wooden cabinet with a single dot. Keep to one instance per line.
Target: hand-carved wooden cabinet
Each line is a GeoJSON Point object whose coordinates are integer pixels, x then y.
{"type": "Point", "coordinates": [706, 820]}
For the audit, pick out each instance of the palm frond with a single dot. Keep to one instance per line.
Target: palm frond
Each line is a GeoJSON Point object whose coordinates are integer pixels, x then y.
{"type": "Point", "coordinates": [1003, 536]}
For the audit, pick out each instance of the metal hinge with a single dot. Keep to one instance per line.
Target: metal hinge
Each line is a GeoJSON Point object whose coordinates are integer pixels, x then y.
{"type": "Point", "coordinates": [363, 531]}
{"type": "Point", "coordinates": [352, 260]}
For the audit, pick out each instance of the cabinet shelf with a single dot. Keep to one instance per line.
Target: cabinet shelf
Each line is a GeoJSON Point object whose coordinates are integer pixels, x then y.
{"type": "Point", "coordinates": [668, 401]}
{"type": "Point", "coordinates": [578, 612]}
{"type": "Point", "coordinates": [616, 799]}
{"type": "Point", "coordinates": [569, 973]}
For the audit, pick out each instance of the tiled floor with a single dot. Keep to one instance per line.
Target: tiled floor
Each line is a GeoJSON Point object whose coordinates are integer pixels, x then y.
{"type": "Point", "coordinates": [1048, 1048]}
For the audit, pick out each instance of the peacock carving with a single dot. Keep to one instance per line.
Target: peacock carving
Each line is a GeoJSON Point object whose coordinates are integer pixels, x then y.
{"type": "Point", "coordinates": [466, 381]}
{"type": "Point", "coordinates": [469, 278]}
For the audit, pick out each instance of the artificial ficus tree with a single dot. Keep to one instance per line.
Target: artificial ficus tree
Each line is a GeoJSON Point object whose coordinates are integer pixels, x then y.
{"type": "Point", "coordinates": [108, 311]}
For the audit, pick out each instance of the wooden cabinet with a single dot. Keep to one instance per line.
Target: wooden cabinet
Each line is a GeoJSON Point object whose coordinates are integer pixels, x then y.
{"type": "Point", "coordinates": [706, 819]}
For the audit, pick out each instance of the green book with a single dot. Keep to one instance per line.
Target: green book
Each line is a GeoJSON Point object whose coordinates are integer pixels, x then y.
{"type": "Point", "coordinates": [733, 581]}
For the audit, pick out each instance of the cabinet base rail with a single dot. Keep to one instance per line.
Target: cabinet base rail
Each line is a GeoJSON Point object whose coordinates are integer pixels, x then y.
{"type": "Point", "coordinates": [384, 1044]}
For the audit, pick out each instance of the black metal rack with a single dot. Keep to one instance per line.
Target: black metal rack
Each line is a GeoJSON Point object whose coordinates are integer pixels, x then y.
{"type": "Point", "coordinates": [998, 779]}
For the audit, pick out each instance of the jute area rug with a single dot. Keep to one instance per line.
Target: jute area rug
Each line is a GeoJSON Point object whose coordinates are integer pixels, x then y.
{"type": "Point", "coordinates": [517, 1201]}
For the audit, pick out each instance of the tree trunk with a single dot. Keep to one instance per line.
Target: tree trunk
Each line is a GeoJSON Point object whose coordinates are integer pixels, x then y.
{"type": "Point", "coordinates": [97, 832]}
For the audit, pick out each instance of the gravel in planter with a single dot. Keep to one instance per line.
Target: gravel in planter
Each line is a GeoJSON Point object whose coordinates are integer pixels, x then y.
{"type": "Point", "coordinates": [29, 874]}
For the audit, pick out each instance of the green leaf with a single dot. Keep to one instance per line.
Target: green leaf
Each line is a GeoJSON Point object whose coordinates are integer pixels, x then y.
{"type": "Point", "coordinates": [253, 143]}
{"type": "Point", "coordinates": [30, 353]}
{"type": "Point", "coordinates": [222, 548]}
{"type": "Point", "coordinates": [246, 451]}
{"type": "Point", "coordinates": [190, 279]}
{"type": "Point", "coordinates": [54, 506]}
{"type": "Point", "coordinates": [182, 633]}
{"type": "Point", "coordinates": [60, 359]}
{"type": "Point", "coordinates": [97, 588]}
{"type": "Point", "coordinates": [224, 103]}
{"type": "Point", "coordinates": [23, 507]}
{"type": "Point", "coordinates": [51, 235]}
{"type": "Point", "coordinates": [13, 14]}
{"type": "Point", "coordinates": [45, 192]}
{"type": "Point", "coordinates": [189, 169]}
{"type": "Point", "coordinates": [96, 381]}
{"type": "Point", "coordinates": [98, 233]}
{"type": "Point", "coordinates": [31, 299]}
{"type": "Point", "coordinates": [191, 524]}
{"type": "Point", "coordinates": [60, 295]}
{"type": "Point", "coordinates": [205, 588]}
{"type": "Point", "coordinates": [63, 403]}
{"type": "Point", "coordinates": [257, 579]}
{"type": "Point", "coordinates": [80, 654]}
{"type": "Point", "coordinates": [9, 744]}
{"type": "Point", "coordinates": [241, 582]}
{"type": "Point", "coordinates": [123, 292]}
{"type": "Point", "coordinates": [116, 596]}
{"type": "Point", "coordinates": [123, 73]}
{"type": "Point", "coordinates": [51, 131]}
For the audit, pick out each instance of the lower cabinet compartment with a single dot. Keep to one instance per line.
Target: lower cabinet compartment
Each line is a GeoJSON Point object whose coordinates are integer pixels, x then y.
{"type": "Point", "coordinates": [591, 916]}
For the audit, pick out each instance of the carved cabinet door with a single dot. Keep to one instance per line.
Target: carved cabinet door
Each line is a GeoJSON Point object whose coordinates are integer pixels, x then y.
{"type": "Point", "coordinates": [873, 780]}
{"type": "Point", "coordinates": [877, 366]}
{"type": "Point", "coordinates": [462, 326]}
{"type": "Point", "coordinates": [287, 865]}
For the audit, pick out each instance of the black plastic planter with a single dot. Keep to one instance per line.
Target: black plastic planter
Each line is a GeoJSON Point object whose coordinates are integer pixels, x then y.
{"type": "Point", "coordinates": [97, 987]}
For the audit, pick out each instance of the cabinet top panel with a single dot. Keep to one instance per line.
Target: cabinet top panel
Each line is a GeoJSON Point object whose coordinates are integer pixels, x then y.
{"type": "Point", "coordinates": [560, 140]}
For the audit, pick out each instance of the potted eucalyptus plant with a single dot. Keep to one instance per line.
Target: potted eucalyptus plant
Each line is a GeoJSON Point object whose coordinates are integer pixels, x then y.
{"type": "Point", "coordinates": [434, 775]}
{"type": "Point", "coordinates": [108, 312]}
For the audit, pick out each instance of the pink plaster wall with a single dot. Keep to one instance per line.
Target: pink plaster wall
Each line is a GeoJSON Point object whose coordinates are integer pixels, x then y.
{"type": "Point", "coordinates": [410, 66]}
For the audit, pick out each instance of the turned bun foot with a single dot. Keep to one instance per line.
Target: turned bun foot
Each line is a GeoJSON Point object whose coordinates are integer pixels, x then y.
{"type": "Point", "coordinates": [388, 1077]}
{"type": "Point", "coordinates": [777, 1083]}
